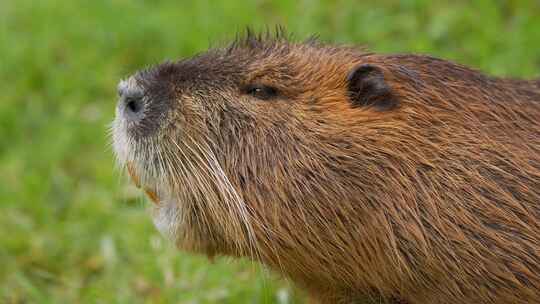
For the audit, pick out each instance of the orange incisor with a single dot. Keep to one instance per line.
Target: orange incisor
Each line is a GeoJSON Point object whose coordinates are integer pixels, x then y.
{"type": "Point", "coordinates": [151, 193]}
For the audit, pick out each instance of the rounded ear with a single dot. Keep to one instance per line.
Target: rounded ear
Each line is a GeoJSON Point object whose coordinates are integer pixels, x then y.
{"type": "Point", "coordinates": [367, 87]}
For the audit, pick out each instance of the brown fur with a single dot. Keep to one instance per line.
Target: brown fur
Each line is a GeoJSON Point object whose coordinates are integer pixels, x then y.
{"type": "Point", "coordinates": [434, 201]}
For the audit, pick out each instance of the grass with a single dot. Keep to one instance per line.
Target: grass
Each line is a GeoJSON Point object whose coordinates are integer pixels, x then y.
{"type": "Point", "coordinates": [71, 228]}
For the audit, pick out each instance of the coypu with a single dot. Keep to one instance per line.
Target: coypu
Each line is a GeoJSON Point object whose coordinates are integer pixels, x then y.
{"type": "Point", "coordinates": [359, 176]}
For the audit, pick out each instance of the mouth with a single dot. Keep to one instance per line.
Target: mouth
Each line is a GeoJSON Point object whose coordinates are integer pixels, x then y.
{"type": "Point", "coordinates": [152, 193]}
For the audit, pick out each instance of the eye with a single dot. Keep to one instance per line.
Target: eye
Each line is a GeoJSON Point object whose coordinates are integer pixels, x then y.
{"type": "Point", "coordinates": [262, 92]}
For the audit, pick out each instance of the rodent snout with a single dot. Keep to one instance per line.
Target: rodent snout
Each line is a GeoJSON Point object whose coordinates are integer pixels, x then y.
{"type": "Point", "coordinates": [140, 109]}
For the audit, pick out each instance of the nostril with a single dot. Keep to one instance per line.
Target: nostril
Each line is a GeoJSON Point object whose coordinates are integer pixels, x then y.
{"type": "Point", "coordinates": [134, 105]}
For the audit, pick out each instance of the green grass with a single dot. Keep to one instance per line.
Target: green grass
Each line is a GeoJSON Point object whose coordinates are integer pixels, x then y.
{"type": "Point", "coordinates": [71, 228]}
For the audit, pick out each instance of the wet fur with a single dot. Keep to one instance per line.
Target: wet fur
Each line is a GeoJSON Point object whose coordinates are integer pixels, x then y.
{"type": "Point", "coordinates": [435, 200]}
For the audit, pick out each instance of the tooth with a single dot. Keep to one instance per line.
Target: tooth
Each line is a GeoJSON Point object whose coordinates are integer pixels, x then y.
{"type": "Point", "coordinates": [152, 195]}
{"type": "Point", "coordinates": [134, 177]}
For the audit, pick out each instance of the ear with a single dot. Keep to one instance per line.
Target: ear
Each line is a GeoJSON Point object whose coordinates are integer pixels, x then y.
{"type": "Point", "coordinates": [367, 88]}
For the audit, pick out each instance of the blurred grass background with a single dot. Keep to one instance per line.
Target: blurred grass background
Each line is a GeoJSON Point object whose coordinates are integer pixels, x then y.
{"type": "Point", "coordinates": [71, 228]}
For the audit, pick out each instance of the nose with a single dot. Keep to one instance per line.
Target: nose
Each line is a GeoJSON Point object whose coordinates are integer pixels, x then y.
{"type": "Point", "coordinates": [142, 105]}
{"type": "Point", "coordinates": [132, 105]}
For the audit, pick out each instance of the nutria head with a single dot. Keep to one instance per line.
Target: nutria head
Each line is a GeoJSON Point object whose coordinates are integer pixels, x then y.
{"type": "Point", "coordinates": [205, 135]}
{"type": "Point", "coordinates": [353, 173]}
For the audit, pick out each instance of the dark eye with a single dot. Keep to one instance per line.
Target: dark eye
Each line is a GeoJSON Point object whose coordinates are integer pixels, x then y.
{"type": "Point", "coordinates": [261, 91]}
